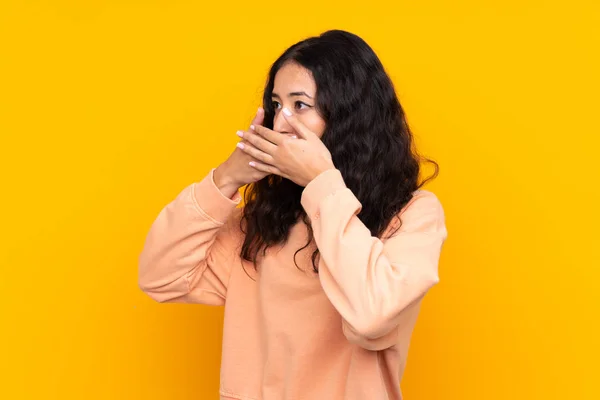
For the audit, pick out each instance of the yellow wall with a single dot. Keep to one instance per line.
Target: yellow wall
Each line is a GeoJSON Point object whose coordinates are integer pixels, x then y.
{"type": "Point", "coordinates": [109, 108]}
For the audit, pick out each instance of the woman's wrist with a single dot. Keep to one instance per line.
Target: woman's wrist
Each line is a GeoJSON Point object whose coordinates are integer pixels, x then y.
{"type": "Point", "coordinates": [320, 167]}
{"type": "Point", "coordinates": [224, 182]}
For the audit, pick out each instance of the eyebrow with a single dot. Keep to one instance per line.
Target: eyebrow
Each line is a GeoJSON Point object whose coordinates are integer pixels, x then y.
{"type": "Point", "coordinates": [292, 94]}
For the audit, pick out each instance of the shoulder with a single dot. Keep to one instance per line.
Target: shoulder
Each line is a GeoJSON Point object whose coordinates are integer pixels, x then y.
{"type": "Point", "coordinates": [423, 212]}
{"type": "Point", "coordinates": [233, 223]}
{"type": "Point", "coordinates": [423, 199]}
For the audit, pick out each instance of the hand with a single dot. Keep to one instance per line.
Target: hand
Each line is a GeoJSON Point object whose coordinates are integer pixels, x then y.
{"type": "Point", "coordinates": [236, 171]}
{"type": "Point", "coordinates": [300, 159]}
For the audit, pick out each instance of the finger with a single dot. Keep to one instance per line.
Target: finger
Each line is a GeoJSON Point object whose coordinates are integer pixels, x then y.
{"type": "Point", "coordinates": [259, 118]}
{"type": "Point", "coordinates": [270, 169]}
{"type": "Point", "coordinates": [270, 135]}
{"type": "Point", "coordinates": [255, 153]}
{"type": "Point", "coordinates": [258, 142]}
{"type": "Point", "coordinates": [298, 126]}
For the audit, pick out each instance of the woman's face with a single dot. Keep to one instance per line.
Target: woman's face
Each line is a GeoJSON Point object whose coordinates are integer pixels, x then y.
{"type": "Point", "coordinates": [295, 89]}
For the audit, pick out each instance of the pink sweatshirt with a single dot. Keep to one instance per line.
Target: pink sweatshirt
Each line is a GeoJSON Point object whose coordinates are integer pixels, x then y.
{"type": "Point", "coordinates": [289, 333]}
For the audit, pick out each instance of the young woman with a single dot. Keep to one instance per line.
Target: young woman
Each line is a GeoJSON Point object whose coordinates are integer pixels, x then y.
{"type": "Point", "coordinates": [323, 270]}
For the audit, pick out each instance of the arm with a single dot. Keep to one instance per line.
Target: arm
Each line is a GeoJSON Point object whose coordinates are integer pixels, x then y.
{"type": "Point", "coordinates": [188, 252]}
{"type": "Point", "coordinates": [375, 286]}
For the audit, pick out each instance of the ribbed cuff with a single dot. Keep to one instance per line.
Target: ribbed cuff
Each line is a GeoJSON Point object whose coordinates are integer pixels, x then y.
{"type": "Point", "coordinates": [210, 201]}
{"type": "Point", "coordinates": [326, 184]}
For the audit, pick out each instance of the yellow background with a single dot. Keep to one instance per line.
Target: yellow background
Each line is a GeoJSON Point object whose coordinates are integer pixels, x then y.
{"type": "Point", "coordinates": [109, 108]}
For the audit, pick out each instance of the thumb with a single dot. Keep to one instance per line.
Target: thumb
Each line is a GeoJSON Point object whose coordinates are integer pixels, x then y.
{"type": "Point", "coordinates": [259, 117]}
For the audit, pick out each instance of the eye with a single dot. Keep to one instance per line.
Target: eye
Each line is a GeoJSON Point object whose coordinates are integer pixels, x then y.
{"type": "Point", "coordinates": [301, 106]}
{"type": "Point", "coordinates": [275, 104]}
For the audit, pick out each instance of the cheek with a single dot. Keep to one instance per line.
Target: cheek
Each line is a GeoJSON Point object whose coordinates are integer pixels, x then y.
{"type": "Point", "coordinates": [315, 123]}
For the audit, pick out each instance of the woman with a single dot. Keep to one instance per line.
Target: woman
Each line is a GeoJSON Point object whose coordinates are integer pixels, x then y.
{"type": "Point", "coordinates": [323, 270]}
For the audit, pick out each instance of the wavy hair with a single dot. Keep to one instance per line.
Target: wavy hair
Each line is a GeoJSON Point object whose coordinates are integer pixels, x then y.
{"type": "Point", "coordinates": [365, 130]}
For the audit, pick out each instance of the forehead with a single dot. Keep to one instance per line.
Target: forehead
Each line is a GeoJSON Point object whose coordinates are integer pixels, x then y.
{"type": "Point", "coordinates": [293, 77]}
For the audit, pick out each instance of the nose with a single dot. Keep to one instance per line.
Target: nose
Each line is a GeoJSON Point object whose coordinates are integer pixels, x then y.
{"type": "Point", "coordinates": [280, 124]}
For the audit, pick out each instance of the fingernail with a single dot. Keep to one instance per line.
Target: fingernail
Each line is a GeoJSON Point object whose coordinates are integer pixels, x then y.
{"type": "Point", "coordinates": [294, 137]}
{"type": "Point", "coordinates": [252, 127]}
{"type": "Point", "coordinates": [240, 145]}
{"type": "Point", "coordinates": [259, 109]}
{"type": "Point", "coordinates": [287, 112]}
{"type": "Point", "coordinates": [240, 133]}
{"type": "Point", "coordinates": [252, 164]}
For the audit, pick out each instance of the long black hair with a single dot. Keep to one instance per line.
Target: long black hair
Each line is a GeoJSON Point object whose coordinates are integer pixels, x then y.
{"type": "Point", "coordinates": [365, 130]}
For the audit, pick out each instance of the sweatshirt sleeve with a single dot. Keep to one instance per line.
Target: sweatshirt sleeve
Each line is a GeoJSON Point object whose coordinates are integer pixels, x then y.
{"type": "Point", "coordinates": [188, 251]}
{"type": "Point", "coordinates": [374, 284]}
